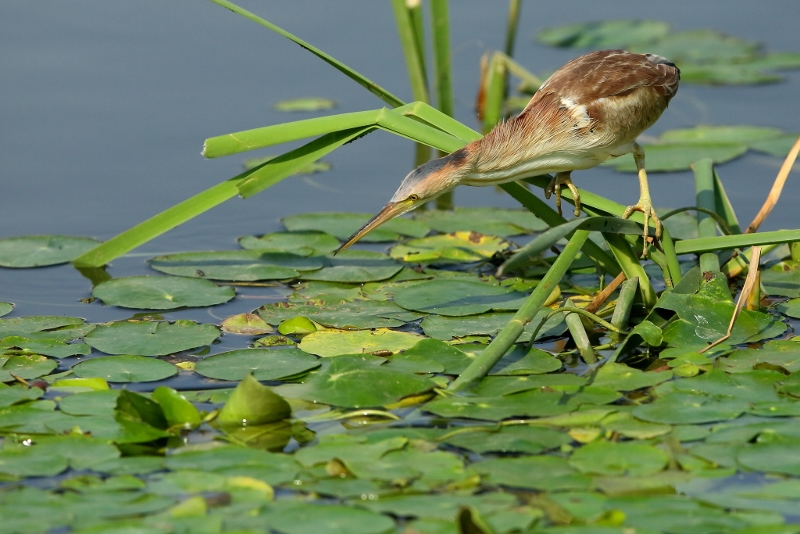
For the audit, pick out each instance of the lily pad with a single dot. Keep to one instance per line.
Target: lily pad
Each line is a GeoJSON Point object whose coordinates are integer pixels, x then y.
{"type": "Point", "coordinates": [236, 265]}
{"type": "Point", "coordinates": [776, 146]}
{"type": "Point", "coordinates": [146, 338]}
{"type": "Point", "coordinates": [125, 368]}
{"type": "Point", "coordinates": [358, 314]}
{"type": "Point", "coordinates": [42, 250]}
{"type": "Point", "coordinates": [355, 267]}
{"type": "Point", "coordinates": [604, 34]}
{"type": "Point", "coordinates": [720, 134]}
{"type": "Point", "coordinates": [161, 292]}
{"type": "Point", "coordinates": [458, 247]}
{"type": "Point", "coordinates": [247, 324]}
{"type": "Point", "coordinates": [348, 382]}
{"type": "Point", "coordinates": [303, 243]}
{"type": "Point", "coordinates": [617, 459]}
{"type": "Point", "coordinates": [328, 343]}
{"type": "Point", "coordinates": [264, 364]}
{"type": "Point", "coordinates": [552, 473]}
{"type": "Point", "coordinates": [6, 308]}
{"type": "Point", "coordinates": [488, 221]}
{"type": "Point", "coordinates": [519, 439]}
{"type": "Point", "coordinates": [705, 46]}
{"type": "Point", "coordinates": [488, 324]}
{"type": "Point", "coordinates": [26, 366]}
{"type": "Point", "coordinates": [679, 156]}
{"type": "Point", "coordinates": [457, 297]}
{"type": "Point", "coordinates": [343, 225]}
{"type": "Point", "coordinates": [782, 279]}
{"type": "Point", "coordinates": [38, 326]}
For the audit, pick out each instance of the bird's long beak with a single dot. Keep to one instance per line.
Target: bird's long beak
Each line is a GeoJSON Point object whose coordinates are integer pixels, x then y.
{"type": "Point", "coordinates": [389, 211]}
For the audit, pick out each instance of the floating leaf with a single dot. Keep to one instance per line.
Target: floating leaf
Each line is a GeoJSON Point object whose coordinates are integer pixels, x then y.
{"type": "Point", "coordinates": [343, 225]}
{"type": "Point", "coordinates": [264, 364]}
{"type": "Point", "coordinates": [19, 393]}
{"type": "Point", "coordinates": [488, 324]}
{"type": "Point", "coordinates": [624, 378]}
{"type": "Point", "coordinates": [520, 439]}
{"type": "Point", "coordinates": [604, 34]}
{"type": "Point", "coordinates": [772, 457]}
{"type": "Point", "coordinates": [303, 243]}
{"type": "Point", "coordinates": [720, 134]}
{"type": "Point", "coordinates": [125, 368]}
{"type": "Point", "coordinates": [61, 328]}
{"type": "Point", "coordinates": [45, 346]}
{"type": "Point", "coordinates": [348, 382]}
{"type": "Point", "coordinates": [457, 297]}
{"type": "Point", "coordinates": [527, 361]}
{"type": "Point", "coordinates": [679, 156]}
{"type": "Point", "coordinates": [777, 146]}
{"type": "Point", "coordinates": [458, 247]}
{"type": "Point", "coordinates": [236, 265]}
{"type": "Point", "coordinates": [782, 279]}
{"type": "Point", "coordinates": [781, 353]}
{"type": "Point", "coordinates": [355, 267]}
{"type": "Point", "coordinates": [552, 473]}
{"type": "Point", "coordinates": [6, 308]}
{"type": "Point", "coordinates": [488, 221]}
{"type": "Point", "coordinates": [360, 314]}
{"type": "Point", "coordinates": [305, 104]}
{"type": "Point", "coordinates": [27, 367]}
{"type": "Point", "coordinates": [617, 459]}
{"type": "Point", "coordinates": [703, 46]}
{"type": "Point", "coordinates": [161, 292]}
{"type": "Point", "coordinates": [327, 343]}
{"type": "Point", "coordinates": [42, 250]}
{"type": "Point", "coordinates": [302, 518]}
{"type": "Point", "coordinates": [248, 324]}
{"type": "Point", "coordinates": [148, 338]}
{"type": "Point", "coordinates": [682, 408]}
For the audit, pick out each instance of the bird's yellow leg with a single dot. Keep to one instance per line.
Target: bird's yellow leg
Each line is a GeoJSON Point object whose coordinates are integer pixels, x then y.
{"type": "Point", "coordinates": [563, 178]}
{"type": "Point", "coordinates": [645, 204]}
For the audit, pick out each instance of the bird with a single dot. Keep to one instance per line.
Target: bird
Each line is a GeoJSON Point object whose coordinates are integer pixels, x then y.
{"type": "Point", "coordinates": [588, 111]}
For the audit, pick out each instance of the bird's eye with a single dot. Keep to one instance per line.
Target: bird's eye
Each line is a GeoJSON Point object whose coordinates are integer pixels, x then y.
{"type": "Point", "coordinates": [413, 198]}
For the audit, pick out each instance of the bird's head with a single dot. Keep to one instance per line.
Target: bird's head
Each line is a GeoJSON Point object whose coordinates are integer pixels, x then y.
{"type": "Point", "coordinates": [424, 183]}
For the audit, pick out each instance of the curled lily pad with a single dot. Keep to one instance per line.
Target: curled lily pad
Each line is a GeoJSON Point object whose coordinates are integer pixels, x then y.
{"type": "Point", "coordinates": [236, 265]}
{"type": "Point", "coordinates": [161, 292]}
{"type": "Point", "coordinates": [42, 250]}
{"type": "Point", "coordinates": [458, 247]}
{"type": "Point", "coordinates": [125, 368]}
{"type": "Point", "coordinates": [146, 338]}
{"type": "Point", "coordinates": [264, 364]}
{"type": "Point", "coordinates": [342, 226]}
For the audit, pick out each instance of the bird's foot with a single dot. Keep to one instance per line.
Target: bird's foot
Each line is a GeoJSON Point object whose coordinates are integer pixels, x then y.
{"type": "Point", "coordinates": [563, 178]}
{"type": "Point", "coordinates": [645, 206]}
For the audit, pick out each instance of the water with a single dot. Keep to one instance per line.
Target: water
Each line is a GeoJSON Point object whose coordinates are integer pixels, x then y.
{"type": "Point", "coordinates": [105, 107]}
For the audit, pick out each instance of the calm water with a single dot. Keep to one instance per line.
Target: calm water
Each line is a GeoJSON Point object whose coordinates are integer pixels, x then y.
{"type": "Point", "coordinates": [105, 106]}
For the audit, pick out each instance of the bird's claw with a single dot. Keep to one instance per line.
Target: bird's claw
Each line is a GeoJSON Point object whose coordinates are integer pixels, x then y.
{"type": "Point", "coordinates": [645, 206]}
{"type": "Point", "coordinates": [555, 187]}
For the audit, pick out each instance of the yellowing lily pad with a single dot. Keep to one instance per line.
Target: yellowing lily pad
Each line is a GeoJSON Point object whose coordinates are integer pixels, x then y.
{"type": "Point", "coordinates": [328, 343]}
{"type": "Point", "coordinates": [458, 247]}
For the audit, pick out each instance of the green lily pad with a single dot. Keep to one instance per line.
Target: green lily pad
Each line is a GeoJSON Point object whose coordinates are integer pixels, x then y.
{"type": "Point", "coordinates": [720, 134]}
{"type": "Point", "coordinates": [305, 104]}
{"type": "Point", "coordinates": [776, 146]}
{"type": "Point", "coordinates": [13, 394]}
{"type": "Point", "coordinates": [509, 439]}
{"type": "Point", "coordinates": [146, 338]}
{"type": "Point", "coordinates": [457, 297]}
{"type": "Point", "coordinates": [236, 265]}
{"type": "Point", "coordinates": [617, 459]}
{"type": "Point", "coordinates": [727, 74]}
{"type": "Point", "coordinates": [779, 353]}
{"type": "Point", "coordinates": [247, 324]}
{"type": "Point", "coordinates": [52, 327]}
{"type": "Point", "coordinates": [302, 518]}
{"type": "Point", "coordinates": [6, 308]}
{"type": "Point", "coordinates": [604, 34]}
{"type": "Point", "coordinates": [488, 324]}
{"type": "Point", "coordinates": [526, 361]}
{"type": "Point", "coordinates": [264, 364]}
{"type": "Point", "coordinates": [772, 457]}
{"type": "Point", "coordinates": [303, 243]}
{"type": "Point", "coordinates": [343, 225]}
{"type": "Point", "coordinates": [679, 156]}
{"type": "Point", "coordinates": [42, 250]}
{"type": "Point", "coordinates": [361, 314]}
{"type": "Point", "coordinates": [348, 382]}
{"type": "Point", "coordinates": [161, 292]}
{"type": "Point", "coordinates": [355, 267]}
{"type": "Point", "coordinates": [623, 378]}
{"type": "Point", "coordinates": [458, 247]}
{"type": "Point", "coordinates": [552, 473]}
{"type": "Point", "coordinates": [125, 368]}
{"type": "Point", "coordinates": [487, 221]}
{"type": "Point", "coordinates": [27, 367]}
{"type": "Point", "coordinates": [328, 343]}
{"type": "Point", "coordinates": [704, 46]}
{"type": "Point", "coordinates": [690, 408]}
{"type": "Point", "coordinates": [782, 279]}
{"type": "Point", "coordinates": [44, 346]}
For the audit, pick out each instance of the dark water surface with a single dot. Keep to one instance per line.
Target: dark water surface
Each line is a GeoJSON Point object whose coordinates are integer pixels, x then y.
{"type": "Point", "coordinates": [104, 107]}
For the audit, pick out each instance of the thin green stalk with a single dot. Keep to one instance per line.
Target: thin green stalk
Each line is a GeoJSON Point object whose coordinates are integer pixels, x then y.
{"type": "Point", "coordinates": [487, 359]}
{"type": "Point", "coordinates": [360, 79]}
{"type": "Point", "coordinates": [578, 332]}
{"type": "Point", "coordinates": [495, 92]}
{"type": "Point", "coordinates": [543, 210]}
{"type": "Point", "coordinates": [629, 263]}
{"type": "Point", "coordinates": [706, 226]}
{"type": "Point", "coordinates": [413, 49]}
{"type": "Point", "coordinates": [442, 63]}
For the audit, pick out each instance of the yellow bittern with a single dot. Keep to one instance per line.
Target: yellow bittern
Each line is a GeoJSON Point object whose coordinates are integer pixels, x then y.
{"type": "Point", "coordinates": [590, 110]}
